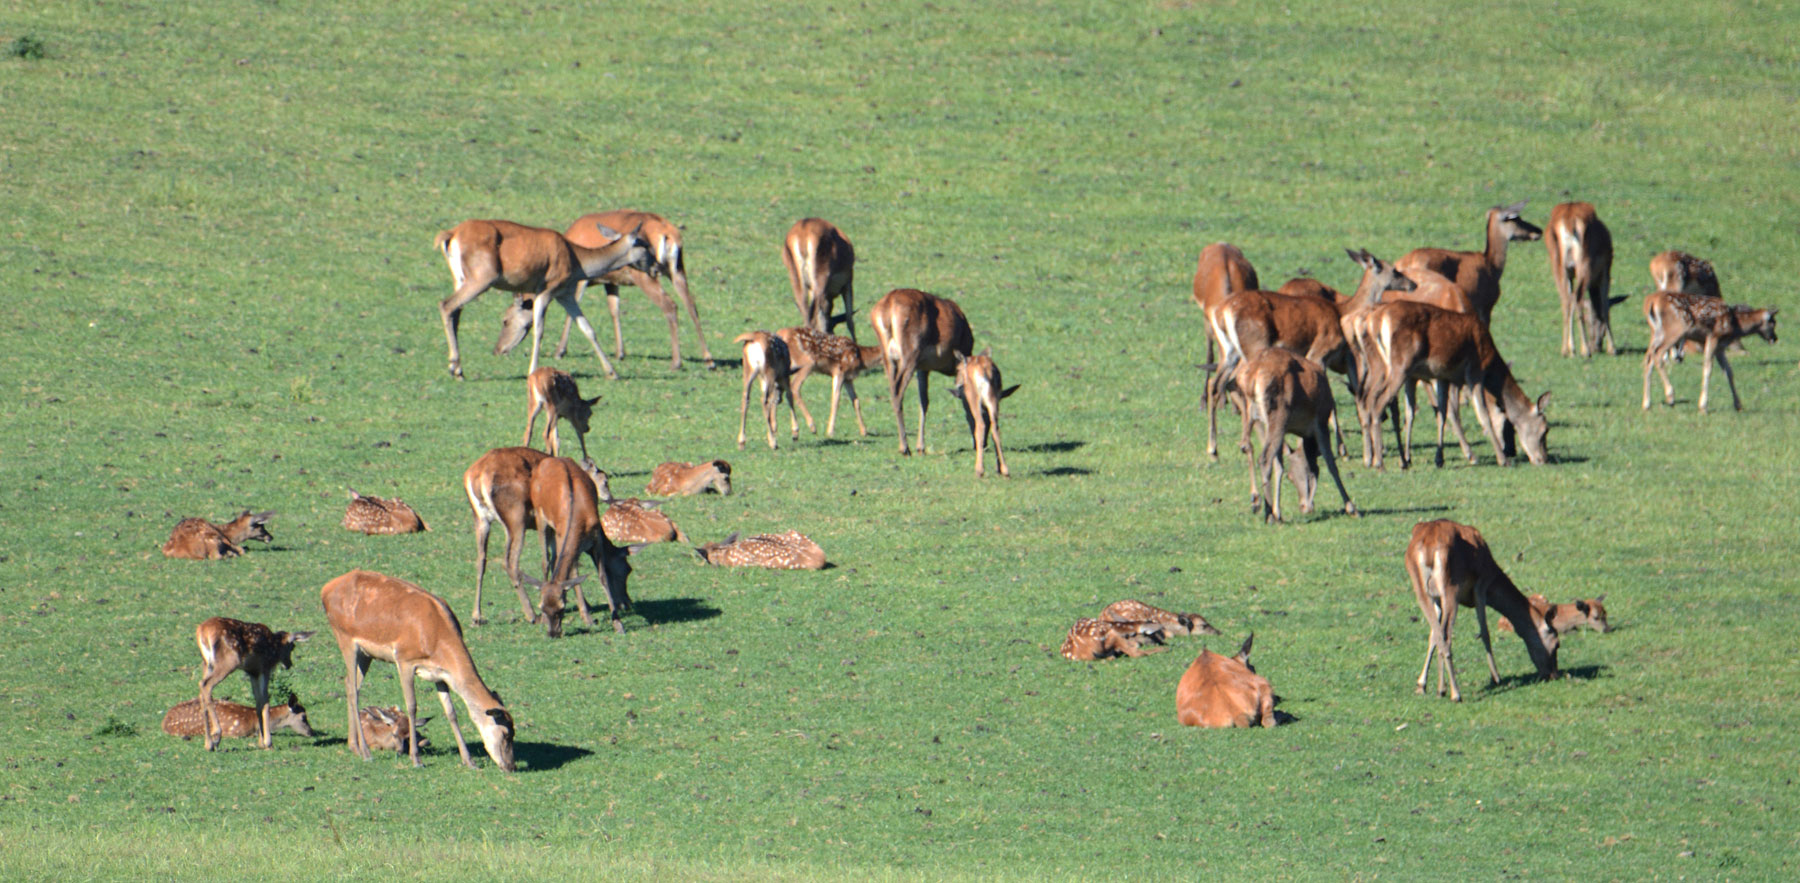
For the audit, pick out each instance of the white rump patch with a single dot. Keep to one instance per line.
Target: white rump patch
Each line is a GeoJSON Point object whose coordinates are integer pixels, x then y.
{"type": "Point", "coordinates": [756, 357]}
{"type": "Point", "coordinates": [453, 256]}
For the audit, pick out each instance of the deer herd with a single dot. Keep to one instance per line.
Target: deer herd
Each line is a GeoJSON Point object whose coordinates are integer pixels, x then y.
{"type": "Point", "coordinates": [1426, 317]}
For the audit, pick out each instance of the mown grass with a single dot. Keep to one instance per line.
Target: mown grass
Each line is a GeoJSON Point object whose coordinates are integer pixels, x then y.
{"type": "Point", "coordinates": [218, 256]}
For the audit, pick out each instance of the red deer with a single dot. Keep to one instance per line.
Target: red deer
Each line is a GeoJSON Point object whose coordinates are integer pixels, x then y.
{"type": "Point", "coordinates": [374, 515]}
{"type": "Point", "coordinates": [1477, 273]}
{"type": "Point", "coordinates": [821, 266]}
{"type": "Point", "coordinates": [1568, 617]}
{"type": "Point", "coordinates": [1680, 271]}
{"type": "Point", "coordinates": [389, 729]}
{"type": "Point", "coordinates": [1224, 691]}
{"type": "Point", "coordinates": [536, 265]}
{"type": "Point", "coordinates": [631, 521]}
{"type": "Point", "coordinates": [1172, 623]}
{"type": "Point", "coordinates": [686, 479]}
{"type": "Point", "coordinates": [1285, 395]}
{"type": "Point", "coordinates": [200, 540]}
{"type": "Point", "coordinates": [979, 388]}
{"type": "Point", "coordinates": [375, 616]}
{"type": "Point", "coordinates": [919, 333]}
{"type": "Point", "coordinates": [766, 358]}
{"type": "Point", "coordinates": [188, 720]}
{"type": "Point", "coordinates": [567, 506]}
{"type": "Point", "coordinates": [1421, 342]}
{"type": "Point", "coordinates": [228, 645]}
{"type": "Point", "coordinates": [663, 240]}
{"type": "Point", "coordinates": [1581, 254]}
{"type": "Point", "coordinates": [1222, 272]}
{"type": "Point", "coordinates": [791, 550]}
{"type": "Point", "coordinates": [498, 485]}
{"type": "Point", "coordinates": [1092, 640]}
{"type": "Point", "coordinates": [555, 393]}
{"type": "Point", "coordinates": [1450, 566]}
{"type": "Point", "coordinates": [1676, 318]}
{"type": "Point", "coordinates": [839, 358]}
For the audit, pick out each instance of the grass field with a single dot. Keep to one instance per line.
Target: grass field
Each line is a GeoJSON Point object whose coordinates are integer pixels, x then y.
{"type": "Point", "coordinates": [216, 248]}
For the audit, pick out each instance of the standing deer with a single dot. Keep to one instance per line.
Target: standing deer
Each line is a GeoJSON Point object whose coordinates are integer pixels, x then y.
{"type": "Point", "coordinates": [555, 393]}
{"type": "Point", "coordinates": [919, 333]}
{"type": "Point", "coordinates": [1224, 691]}
{"type": "Point", "coordinates": [1252, 321]}
{"type": "Point", "coordinates": [1676, 318]}
{"type": "Point", "coordinates": [536, 265]}
{"type": "Point", "coordinates": [840, 358]}
{"type": "Point", "coordinates": [979, 388]}
{"type": "Point", "coordinates": [1172, 623]}
{"type": "Point", "coordinates": [1285, 395]}
{"type": "Point", "coordinates": [200, 540]}
{"type": "Point", "coordinates": [1092, 640]}
{"type": "Point", "coordinates": [790, 550]}
{"type": "Point", "coordinates": [1477, 273]}
{"type": "Point", "coordinates": [375, 616]}
{"type": "Point", "coordinates": [498, 485]}
{"type": "Point", "coordinates": [567, 506]}
{"type": "Point", "coordinates": [664, 242]}
{"type": "Point", "coordinates": [1450, 565]}
{"type": "Point", "coordinates": [1680, 271]}
{"type": "Point", "coordinates": [1581, 254]}
{"type": "Point", "coordinates": [766, 358]}
{"type": "Point", "coordinates": [686, 479]}
{"type": "Point", "coordinates": [228, 645]}
{"type": "Point", "coordinates": [821, 266]}
{"type": "Point", "coordinates": [188, 719]}
{"type": "Point", "coordinates": [1222, 272]}
{"type": "Point", "coordinates": [375, 515]}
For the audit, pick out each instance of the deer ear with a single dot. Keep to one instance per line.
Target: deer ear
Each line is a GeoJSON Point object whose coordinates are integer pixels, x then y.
{"type": "Point", "coordinates": [1582, 606]}
{"type": "Point", "coordinates": [651, 504]}
{"type": "Point", "coordinates": [1600, 597]}
{"type": "Point", "coordinates": [730, 539]}
{"type": "Point", "coordinates": [531, 581]}
{"type": "Point", "coordinates": [606, 231]}
{"type": "Point", "coordinates": [1243, 654]}
{"type": "Point", "coordinates": [593, 401]}
{"type": "Point", "coordinates": [635, 548]}
{"type": "Point", "coordinates": [956, 392]}
{"type": "Point", "coordinates": [353, 494]}
{"type": "Point", "coordinates": [569, 584]}
{"type": "Point", "coordinates": [961, 358]}
{"type": "Point", "coordinates": [260, 517]}
{"type": "Point", "coordinates": [299, 637]}
{"type": "Point", "coordinates": [987, 352]}
{"type": "Point", "coordinates": [1542, 401]}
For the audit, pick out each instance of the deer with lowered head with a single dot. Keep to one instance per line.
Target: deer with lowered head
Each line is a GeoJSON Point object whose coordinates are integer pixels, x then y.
{"type": "Point", "coordinates": [1451, 566]}
{"type": "Point", "coordinates": [555, 393]}
{"type": "Point", "coordinates": [839, 358]}
{"type": "Point", "coordinates": [379, 516]}
{"type": "Point", "coordinates": [200, 540]}
{"type": "Point", "coordinates": [1092, 640]}
{"type": "Point", "coordinates": [1676, 319]}
{"type": "Point", "coordinates": [790, 550]}
{"type": "Point", "coordinates": [1477, 273]}
{"type": "Point", "coordinates": [766, 359]}
{"type": "Point", "coordinates": [686, 479]}
{"type": "Point", "coordinates": [1224, 691]}
{"type": "Point", "coordinates": [663, 240]}
{"type": "Point", "coordinates": [919, 333]}
{"type": "Point", "coordinates": [979, 388]}
{"type": "Point", "coordinates": [228, 645]}
{"type": "Point", "coordinates": [821, 266]}
{"type": "Point", "coordinates": [567, 505]}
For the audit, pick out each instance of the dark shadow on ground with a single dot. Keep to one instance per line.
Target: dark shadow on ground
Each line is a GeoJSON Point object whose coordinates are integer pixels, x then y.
{"type": "Point", "coordinates": [665, 610]}
{"type": "Point", "coordinates": [1061, 447]}
{"type": "Point", "coordinates": [543, 756]}
{"type": "Point", "coordinates": [1066, 470]}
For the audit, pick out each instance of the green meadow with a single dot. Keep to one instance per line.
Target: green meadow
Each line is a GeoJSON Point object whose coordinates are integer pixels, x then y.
{"type": "Point", "coordinates": [215, 253]}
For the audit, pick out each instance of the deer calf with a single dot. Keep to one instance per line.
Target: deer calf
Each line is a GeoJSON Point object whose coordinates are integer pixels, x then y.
{"type": "Point", "coordinates": [553, 391]}
{"type": "Point", "coordinates": [374, 515]}
{"type": "Point", "coordinates": [1680, 271]}
{"type": "Point", "coordinates": [978, 387]}
{"type": "Point", "coordinates": [766, 358]}
{"type": "Point", "coordinates": [631, 521]}
{"type": "Point", "coordinates": [686, 479]}
{"type": "Point", "coordinates": [840, 358]}
{"type": "Point", "coordinates": [188, 720]}
{"type": "Point", "coordinates": [1676, 318]}
{"type": "Point", "coordinates": [389, 729]}
{"type": "Point", "coordinates": [1224, 691]}
{"type": "Point", "coordinates": [201, 540]}
{"type": "Point", "coordinates": [1450, 565]}
{"type": "Point", "coordinates": [228, 645]}
{"type": "Point", "coordinates": [1172, 623]}
{"type": "Point", "coordinates": [1568, 617]}
{"type": "Point", "coordinates": [791, 550]}
{"type": "Point", "coordinates": [1091, 640]}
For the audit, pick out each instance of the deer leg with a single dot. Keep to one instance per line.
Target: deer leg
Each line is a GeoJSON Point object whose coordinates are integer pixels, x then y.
{"type": "Point", "coordinates": [794, 382]}
{"type": "Point", "coordinates": [1428, 611]}
{"type": "Point", "coordinates": [1486, 643]}
{"type": "Point", "coordinates": [581, 603]}
{"type": "Point", "coordinates": [562, 343]}
{"type": "Point", "coordinates": [210, 677]}
{"type": "Point", "coordinates": [443, 691]}
{"type": "Point", "coordinates": [1272, 456]}
{"type": "Point", "coordinates": [855, 405]}
{"type": "Point", "coordinates": [356, 664]}
{"type": "Point", "coordinates": [647, 282]}
{"type": "Point", "coordinates": [978, 427]}
{"type": "Point", "coordinates": [771, 401]}
{"type": "Point", "coordinates": [994, 430]}
{"type": "Point", "coordinates": [259, 691]}
{"type": "Point", "coordinates": [1303, 471]}
{"type": "Point", "coordinates": [1448, 658]}
{"type": "Point", "coordinates": [1256, 507]}
{"type": "Point", "coordinates": [531, 412]}
{"type": "Point", "coordinates": [407, 673]}
{"type": "Point", "coordinates": [1331, 466]}
{"type": "Point", "coordinates": [1488, 417]}
{"type": "Point", "coordinates": [818, 307]}
{"type": "Point", "coordinates": [551, 445]}
{"type": "Point", "coordinates": [582, 438]}
{"type": "Point", "coordinates": [924, 405]}
{"type": "Point", "coordinates": [1730, 380]}
{"type": "Point", "coordinates": [849, 298]}
{"type": "Point", "coordinates": [515, 546]}
{"type": "Point", "coordinates": [451, 308]}
{"type": "Point", "coordinates": [678, 276]}
{"type": "Point", "coordinates": [1452, 398]}
{"type": "Point", "coordinates": [1568, 314]}
{"type": "Point", "coordinates": [581, 322]}
{"type": "Point", "coordinates": [1209, 404]}
{"type": "Point", "coordinates": [837, 388]}
{"type": "Point", "coordinates": [744, 406]}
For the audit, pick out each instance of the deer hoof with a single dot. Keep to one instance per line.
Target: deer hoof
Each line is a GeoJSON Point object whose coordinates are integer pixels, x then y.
{"type": "Point", "coordinates": [1350, 510]}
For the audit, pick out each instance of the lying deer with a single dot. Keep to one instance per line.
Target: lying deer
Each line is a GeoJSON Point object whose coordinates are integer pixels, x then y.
{"type": "Point", "coordinates": [1676, 318]}
{"type": "Point", "coordinates": [188, 720]}
{"type": "Point", "coordinates": [766, 359]}
{"type": "Point", "coordinates": [554, 392]}
{"type": "Point", "coordinates": [228, 645]}
{"type": "Point", "coordinates": [1568, 617]}
{"type": "Point", "coordinates": [783, 551]}
{"type": "Point", "coordinates": [1224, 691]}
{"type": "Point", "coordinates": [1172, 623]}
{"type": "Point", "coordinates": [201, 540]}
{"type": "Point", "coordinates": [686, 479]}
{"type": "Point", "coordinates": [978, 387]}
{"type": "Point", "coordinates": [1091, 640]}
{"type": "Point", "coordinates": [389, 729]}
{"type": "Point", "coordinates": [1450, 565]}
{"type": "Point", "coordinates": [374, 515]}
{"type": "Point", "coordinates": [631, 521]}
{"type": "Point", "coordinates": [840, 358]}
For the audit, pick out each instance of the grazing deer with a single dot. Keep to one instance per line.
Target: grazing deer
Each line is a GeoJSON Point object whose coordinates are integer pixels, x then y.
{"type": "Point", "coordinates": [1421, 342]}
{"type": "Point", "coordinates": [228, 645]}
{"type": "Point", "coordinates": [686, 479]}
{"type": "Point", "coordinates": [821, 266]}
{"type": "Point", "coordinates": [1092, 640]}
{"type": "Point", "coordinates": [188, 720]}
{"type": "Point", "coordinates": [663, 239]}
{"type": "Point", "coordinates": [375, 616]}
{"type": "Point", "coordinates": [1450, 566]}
{"type": "Point", "coordinates": [1285, 395]}
{"type": "Point", "coordinates": [840, 358]}
{"type": "Point", "coordinates": [201, 540]}
{"type": "Point", "coordinates": [1676, 318]}
{"type": "Point", "coordinates": [1477, 273]}
{"type": "Point", "coordinates": [1568, 617]}
{"type": "Point", "coordinates": [919, 333]}
{"type": "Point", "coordinates": [1680, 271]}
{"type": "Point", "coordinates": [536, 265]}
{"type": "Point", "coordinates": [555, 392]}
{"type": "Point", "coordinates": [1172, 623]}
{"type": "Point", "coordinates": [782, 551]}
{"type": "Point", "coordinates": [567, 505]}
{"type": "Point", "coordinates": [374, 515]}
{"type": "Point", "coordinates": [766, 358]}
{"type": "Point", "coordinates": [1581, 254]}
{"type": "Point", "coordinates": [498, 485]}
{"type": "Point", "coordinates": [1224, 691]}
{"type": "Point", "coordinates": [631, 521]}
{"type": "Point", "coordinates": [978, 387]}
{"type": "Point", "coordinates": [1249, 322]}
{"type": "Point", "coordinates": [389, 729]}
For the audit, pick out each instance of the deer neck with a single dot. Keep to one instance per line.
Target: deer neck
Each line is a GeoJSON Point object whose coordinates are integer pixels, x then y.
{"type": "Point", "coordinates": [1495, 255]}
{"type": "Point", "coordinates": [597, 262]}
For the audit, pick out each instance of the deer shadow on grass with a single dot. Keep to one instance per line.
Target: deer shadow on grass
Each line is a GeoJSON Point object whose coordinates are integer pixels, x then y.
{"type": "Point", "coordinates": [1058, 471]}
{"type": "Point", "coordinates": [543, 756]}
{"type": "Point", "coordinates": [1526, 679]}
{"type": "Point", "coordinates": [669, 610]}
{"type": "Point", "coordinates": [1058, 447]}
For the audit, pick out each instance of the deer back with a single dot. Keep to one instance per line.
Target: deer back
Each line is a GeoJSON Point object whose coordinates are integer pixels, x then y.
{"type": "Point", "coordinates": [1173, 623]}
{"type": "Point", "coordinates": [790, 550]}
{"type": "Point", "coordinates": [1223, 691]}
{"type": "Point", "coordinates": [631, 521]}
{"type": "Point", "coordinates": [931, 329]}
{"type": "Point", "coordinates": [197, 539]}
{"type": "Point", "coordinates": [374, 515]}
{"type": "Point", "coordinates": [1222, 271]}
{"type": "Point", "coordinates": [235, 721]}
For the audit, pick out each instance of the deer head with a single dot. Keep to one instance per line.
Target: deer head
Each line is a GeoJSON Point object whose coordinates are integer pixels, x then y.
{"type": "Point", "coordinates": [550, 599]}
{"type": "Point", "coordinates": [1515, 228]}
